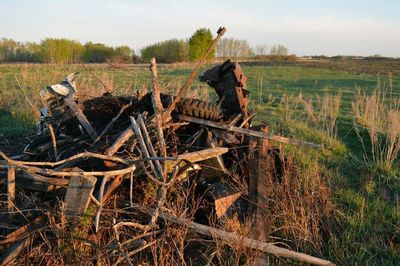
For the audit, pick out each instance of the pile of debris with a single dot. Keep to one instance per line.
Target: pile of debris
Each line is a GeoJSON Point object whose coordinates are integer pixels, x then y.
{"type": "Point", "coordinates": [124, 168]}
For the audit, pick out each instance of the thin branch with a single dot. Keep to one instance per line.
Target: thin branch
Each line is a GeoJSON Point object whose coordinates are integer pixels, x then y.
{"type": "Point", "coordinates": [109, 125]}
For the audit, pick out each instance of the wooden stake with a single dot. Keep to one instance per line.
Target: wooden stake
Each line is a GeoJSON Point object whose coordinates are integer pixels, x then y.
{"type": "Point", "coordinates": [158, 109]}
{"type": "Point", "coordinates": [10, 187]}
{"type": "Point", "coordinates": [257, 165]}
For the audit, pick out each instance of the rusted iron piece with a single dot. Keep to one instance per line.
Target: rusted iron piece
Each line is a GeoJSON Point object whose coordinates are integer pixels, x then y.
{"type": "Point", "coordinates": [229, 83]}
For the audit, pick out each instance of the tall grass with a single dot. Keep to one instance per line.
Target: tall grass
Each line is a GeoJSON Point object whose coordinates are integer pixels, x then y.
{"type": "Point", "coordinates": [323, 113]}
{"type": "Point", "coordinates": [378, 113]}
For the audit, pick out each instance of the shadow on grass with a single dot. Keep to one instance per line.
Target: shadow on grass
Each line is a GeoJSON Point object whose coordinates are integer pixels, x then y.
{"type": "Point", "coordinates": [16, 125]}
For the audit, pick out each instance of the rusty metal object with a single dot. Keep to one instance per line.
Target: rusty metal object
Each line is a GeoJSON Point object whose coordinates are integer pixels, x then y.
{"type": "Point", "coordinates": [229, 83]}
{"type": "Point", "coordinates": [200, 109]}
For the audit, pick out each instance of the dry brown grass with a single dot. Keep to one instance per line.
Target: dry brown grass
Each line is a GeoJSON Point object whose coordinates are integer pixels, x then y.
{"type": "Point", "coordinates": [298, 206]}
{"type": "Point", "coordinates": [322, 113]}
{"type": "Point", "coordinates": [379, 114]}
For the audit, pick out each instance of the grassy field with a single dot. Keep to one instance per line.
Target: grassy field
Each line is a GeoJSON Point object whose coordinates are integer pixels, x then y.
{"type": "Point", "coordinates": [351, 113]}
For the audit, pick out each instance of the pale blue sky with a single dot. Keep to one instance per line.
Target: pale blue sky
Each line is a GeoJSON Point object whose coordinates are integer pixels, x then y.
{"type": "Point", "coordinates": [306, 27]}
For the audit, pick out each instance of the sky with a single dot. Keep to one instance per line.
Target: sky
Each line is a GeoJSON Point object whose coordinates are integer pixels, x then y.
{"type": "Point", "coordinates": [306, 27]}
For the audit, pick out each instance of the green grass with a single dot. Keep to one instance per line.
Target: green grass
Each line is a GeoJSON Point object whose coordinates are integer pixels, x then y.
{"type": "Point", "coordinates": [366, 221]}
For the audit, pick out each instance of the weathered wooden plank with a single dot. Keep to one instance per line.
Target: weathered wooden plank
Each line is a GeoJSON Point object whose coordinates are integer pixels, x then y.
{"type": "Point", "coordinates": [77, 112]}
{"type": "Point", "coordinates": [202, 155]}
{"type": "Point", "coordinates": [78, 195]}
{"type": "Point", "coordinates": [198, 156]}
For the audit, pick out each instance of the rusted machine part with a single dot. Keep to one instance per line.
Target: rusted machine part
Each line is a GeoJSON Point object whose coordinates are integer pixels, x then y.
{"type": "Point", "coordinates": [186, 106]}
{"type": "Point", "coordinates": [200, 109]}
{"type": "Point", "coordinates": [229, 83]}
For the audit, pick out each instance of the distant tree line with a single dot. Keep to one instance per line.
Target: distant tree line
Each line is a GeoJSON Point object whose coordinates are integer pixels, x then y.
{"type": "Point", "coordinates": [51, 50]}
{"type": "Point", "coordinates": [65, 51]}
{"type": "Point", "coordinates": [234, 48]}
{"type": "Point", "coordinates": [192, 49]}
{"type": "Point", "coordinates": [175, 50]}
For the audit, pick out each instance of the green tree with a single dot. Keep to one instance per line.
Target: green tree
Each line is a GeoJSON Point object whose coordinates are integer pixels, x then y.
{"type": "Point", "coordinates": [97, 53]}
{"type": "Point", "coordinates": [123, 54]}
{"type": "Point", "coordinates": [199, 43]}
{"type": "Point", "coordinates": [61, 51]}
{"type": "Point", "coordinates": [169, 51]}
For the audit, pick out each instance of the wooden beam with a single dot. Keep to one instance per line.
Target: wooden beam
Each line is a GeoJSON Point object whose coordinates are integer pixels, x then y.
{"type": "Point", "coordinates": [246, 131]}
{"type": "Point", "coordinates": [236, 239]}
{"type": "Point", "coordinates": [202, 155]}
{"type": "Point", "coordinates": [77, 112]}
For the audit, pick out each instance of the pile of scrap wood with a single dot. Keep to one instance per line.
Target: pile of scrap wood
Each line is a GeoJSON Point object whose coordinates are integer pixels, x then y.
{"type": "Point", "coordinates": [107, 176]}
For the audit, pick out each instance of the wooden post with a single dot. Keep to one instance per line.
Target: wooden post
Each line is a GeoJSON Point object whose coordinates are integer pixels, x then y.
{"type": "Point", "coordinates": [158, 109]}
{"type": "Point", "coordinates": [258, 189]}
{"type": "Point", "coordinates": [78, 195]}
{"type": "Point", "coordinates": [10, 187]}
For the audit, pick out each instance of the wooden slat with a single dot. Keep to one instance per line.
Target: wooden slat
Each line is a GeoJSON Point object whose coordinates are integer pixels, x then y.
{"type": "Point", "coordinates": [198, 156]}
{"type": "Point", "coordinates": [78, 195]}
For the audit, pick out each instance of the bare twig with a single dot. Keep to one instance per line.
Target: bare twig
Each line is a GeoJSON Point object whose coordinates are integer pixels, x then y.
{"type": "Point", "coordinates": [142, 143]}
{"type": "Point", "coordinates": [53, 140]}
{"type": "Point", "coordinates": [132, 224]}
{"type": "Point", "coordinates": [130, 254]}
{"type": "Point", "coordinates": [109, 125]}
{"type": "Point", "coordinates": [100, 200]}
{"type": "Point", "coordinates": [72, 158]}
{"type": "Point", "coordinates": [149, 145]}
{"type": "Point", "coordinates": [98, 79]}
{"type": "Point", "coordinates": [126, 257]}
